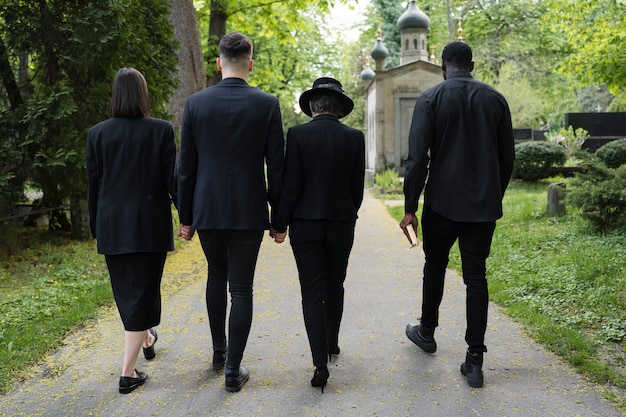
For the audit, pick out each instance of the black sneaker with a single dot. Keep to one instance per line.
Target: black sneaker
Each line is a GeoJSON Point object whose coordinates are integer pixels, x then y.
{"type": "Point", "coordinates": [234, 383]}
{"type": "Point", "coordinates": [472, 369]}
{"type": "Point", "coordinates": [416, 335]}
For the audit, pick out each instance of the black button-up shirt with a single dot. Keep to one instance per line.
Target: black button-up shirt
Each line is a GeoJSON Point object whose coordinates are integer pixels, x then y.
{"type": "Point", "coordinates": [461, 140]}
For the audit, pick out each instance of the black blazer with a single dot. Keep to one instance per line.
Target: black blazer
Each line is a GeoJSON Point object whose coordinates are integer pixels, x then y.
{"type": "Point", "coordinates": [131, 175]}
{"type": "Point", "coordinates": [324, 172]}
{"type": "Point", "coordinates": [231, 133]}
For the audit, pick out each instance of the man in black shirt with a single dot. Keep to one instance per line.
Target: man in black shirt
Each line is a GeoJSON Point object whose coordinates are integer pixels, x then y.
{"type": "Point", "coordinates": [461, 140]}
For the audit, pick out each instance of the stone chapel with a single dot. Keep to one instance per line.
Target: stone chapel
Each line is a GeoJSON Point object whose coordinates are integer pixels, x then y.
{"type": "Point", "coordinates": [390, 94]}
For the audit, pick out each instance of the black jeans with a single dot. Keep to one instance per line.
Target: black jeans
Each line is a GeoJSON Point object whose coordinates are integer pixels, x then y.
{"type": "Point", "coordinates": [231, 257]}
{"type": "Point", "coordinates": [321, 250]}
{"type": "Point", "coordinates": [439, 234]}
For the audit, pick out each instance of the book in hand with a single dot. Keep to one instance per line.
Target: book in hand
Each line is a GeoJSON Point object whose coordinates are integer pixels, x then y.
{"type": "Point", "coordinates": [410, 235]}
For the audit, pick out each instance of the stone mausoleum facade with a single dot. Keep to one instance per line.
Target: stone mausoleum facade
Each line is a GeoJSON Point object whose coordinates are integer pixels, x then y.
{"type": "Point", "coordinates": [390, 94]}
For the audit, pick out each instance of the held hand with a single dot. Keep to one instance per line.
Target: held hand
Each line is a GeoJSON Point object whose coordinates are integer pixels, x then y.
{"type": "Point", "coordinates": [409, 227]}
{"type": "Point", "coordinates": [186, 232]}
{"type": "Point", "coordinates": [277, 236]}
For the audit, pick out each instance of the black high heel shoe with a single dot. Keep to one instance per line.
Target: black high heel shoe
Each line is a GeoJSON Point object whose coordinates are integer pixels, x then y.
{"type": "Point", "coordinates": [320, 377]}
{"type": "Point", "coordinates": [333, 350]}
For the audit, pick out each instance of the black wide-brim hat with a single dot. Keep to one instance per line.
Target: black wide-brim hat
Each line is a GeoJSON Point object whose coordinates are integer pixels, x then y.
{"type": "Point", "coordinates": [326, 85]}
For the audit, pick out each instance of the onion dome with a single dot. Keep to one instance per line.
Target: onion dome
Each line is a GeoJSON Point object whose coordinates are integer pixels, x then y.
{"type": "Point", "coordinates": [367, 73]}
{"type": "Point", "coordinates": [413, 18]}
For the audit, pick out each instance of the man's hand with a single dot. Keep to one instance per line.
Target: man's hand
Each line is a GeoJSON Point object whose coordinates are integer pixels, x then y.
{"type": "Point", "coordinates": [277, 236]}
{"type": "Point", "coordinates": [409, 221]}
{"type": "Point", "coordinates": [186, 232]}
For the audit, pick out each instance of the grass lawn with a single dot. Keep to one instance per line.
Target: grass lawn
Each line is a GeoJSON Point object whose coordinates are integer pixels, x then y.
{"type": "Point", "coordinates": [564, 282]}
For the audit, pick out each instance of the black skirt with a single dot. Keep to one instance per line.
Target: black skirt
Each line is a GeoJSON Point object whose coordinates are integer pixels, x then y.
{"type": "Point", "coordinates": [136, 283]}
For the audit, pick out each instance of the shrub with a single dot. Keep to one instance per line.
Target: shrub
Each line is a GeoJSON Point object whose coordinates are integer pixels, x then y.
{"type": "Point", "coordinates": [613, 154]}
{"type": "Point", "coordinates": [569, 138]}
{"type": "Point", "coordinates": [534, 160]}
{"type": "Point", "coordinates": [599, 192]}
{"type": "Point", "coordinates": [388, 181]}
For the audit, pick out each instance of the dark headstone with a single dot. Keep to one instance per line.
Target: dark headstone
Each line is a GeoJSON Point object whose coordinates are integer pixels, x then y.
{"type": "Point", "coordinates": [556, 199]}
{"type": "Point", "coordinates": [599, 124]}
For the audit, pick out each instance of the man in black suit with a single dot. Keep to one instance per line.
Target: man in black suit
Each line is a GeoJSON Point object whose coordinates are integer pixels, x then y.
{"type": "Point", "coordinates": [461, 139]}
{"type": "Point", "coordinates": [324, 176]}
{"type": "Point", "coordinates": [231, 132]}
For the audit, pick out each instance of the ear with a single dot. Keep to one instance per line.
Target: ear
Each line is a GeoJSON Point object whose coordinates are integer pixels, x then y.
{"type": "Point", "coordinates": [471, 67]}
{"type": "Point", "coordinates": [250, 65]}
{"type": "Point", "coordinates": [218, 62]}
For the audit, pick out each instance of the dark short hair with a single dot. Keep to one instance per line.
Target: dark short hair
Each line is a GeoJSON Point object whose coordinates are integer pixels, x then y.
{"type": "Point", "coordinates": [457, 54]}
{"type": "Point", "coordinates": [326, 103]}
{"type": "Point", "coordinates": [236, 48]}
{"type": "Point", "coordinates": [130, 94]}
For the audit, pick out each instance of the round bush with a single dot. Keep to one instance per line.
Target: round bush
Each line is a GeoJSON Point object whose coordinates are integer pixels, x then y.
{"type": "Point", "coordinates": [534, 160]}
{"type": "Point", "coordinates": [613, 154]}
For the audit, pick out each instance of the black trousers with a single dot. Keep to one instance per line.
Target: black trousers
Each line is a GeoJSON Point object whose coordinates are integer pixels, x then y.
{"type": "Point", "coordinates": [231, 257]}
{"type": "Point", "coordinates": [439, 234]}
{"type": "Point", "coordinates": [321, 250]}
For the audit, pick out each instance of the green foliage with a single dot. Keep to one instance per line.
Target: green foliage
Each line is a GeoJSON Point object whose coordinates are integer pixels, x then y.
{"type": "Point", "coordinates": [388, 181]}
{"type": "Point", "coordinates": [534, 160]}
{"type": "Point", "coordinates": [569, 138]}
{"type": "Point", "coordinates": [613, 154]}
{"type": "Point", "coordinates": [599, 193]}
{"type": "Point", "coordinates": [598, 23]}
{"type": "Point", "coordinates": [74, 53]}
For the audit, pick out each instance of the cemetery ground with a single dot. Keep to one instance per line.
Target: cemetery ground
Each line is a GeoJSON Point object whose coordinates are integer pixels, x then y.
{"type": "Point", "coordinates": [564, 284]}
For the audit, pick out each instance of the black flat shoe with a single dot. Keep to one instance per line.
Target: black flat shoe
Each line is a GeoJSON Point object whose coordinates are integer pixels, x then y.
{"type": "Point", "coordinates": [128, 383]}
{"type": "Point", "coordinates": [149, 352]}
{"type": "Point", "coordinates": [234, 383]}
{"type": "Point", "coordinates": [320, 377]}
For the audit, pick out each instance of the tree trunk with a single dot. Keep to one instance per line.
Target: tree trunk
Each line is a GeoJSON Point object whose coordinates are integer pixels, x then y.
{"type": "Point", "coordinates": [217, 30]}
{"type": "Point", "coordinates": [190, 59]}
{"type": "Point", "coordinates": [79, 215]}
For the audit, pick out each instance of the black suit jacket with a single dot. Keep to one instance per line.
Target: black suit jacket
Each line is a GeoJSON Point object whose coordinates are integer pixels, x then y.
{"type": "Point", "coordinates": [131, 168]}
{"type": "Point", "coordinates": [324, 172]}
{"type": "Point", "coordinates": [229, 132]}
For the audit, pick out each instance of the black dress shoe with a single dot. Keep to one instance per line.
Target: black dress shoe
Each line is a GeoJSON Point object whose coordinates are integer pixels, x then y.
{"type": "Point", "coordinates": [415, 333]}
{"type": "Point", "coordinates": [234, 382]}
{"type": "Point", "coordinates": [472, 369]}
{"type": "Point", "coordinates": [128, 383]}
{"type": "Point", "coordinates": [149, 352]}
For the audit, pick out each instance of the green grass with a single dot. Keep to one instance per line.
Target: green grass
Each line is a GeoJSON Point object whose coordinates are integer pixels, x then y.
{"type": "Point", "coordinates": [564, 282]}
{"type": "Point", "coordinates": [49, 285]}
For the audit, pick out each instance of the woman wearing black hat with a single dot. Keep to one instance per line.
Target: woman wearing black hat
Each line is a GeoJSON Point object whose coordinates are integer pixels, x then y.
{"type": "Point", "coordinates": [323, 190]}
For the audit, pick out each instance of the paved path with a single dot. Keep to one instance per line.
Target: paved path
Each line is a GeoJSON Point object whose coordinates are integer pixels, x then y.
{"type": "Point", "coordinates": [379, 372]}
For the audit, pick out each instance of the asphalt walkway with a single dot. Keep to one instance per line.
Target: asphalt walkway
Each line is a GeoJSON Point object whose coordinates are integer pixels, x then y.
{"type": "Point", "coordinates": [379, 372]}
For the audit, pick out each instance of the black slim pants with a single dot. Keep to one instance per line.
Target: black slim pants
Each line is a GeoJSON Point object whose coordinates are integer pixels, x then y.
{"type": "Point", "coordinates": [321, 250]}
{"type": "Point", "coordinates": [231, 257]}
{"type": "Point", "coordinates": [439, 234]}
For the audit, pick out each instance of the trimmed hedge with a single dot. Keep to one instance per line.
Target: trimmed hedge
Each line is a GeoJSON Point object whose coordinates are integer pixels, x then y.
{"type": "Point", "coordinates": [613, 154]}
{"type": "Point", "coordinates": [534, 160]}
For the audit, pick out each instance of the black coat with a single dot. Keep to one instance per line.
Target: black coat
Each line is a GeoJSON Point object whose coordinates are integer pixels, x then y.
{"type": "Point", "coordinates": [231, 134]}
{"type": "Point", "coordinates": [131, 175]}
{"type": "Point", "coordinates": [324, 172]}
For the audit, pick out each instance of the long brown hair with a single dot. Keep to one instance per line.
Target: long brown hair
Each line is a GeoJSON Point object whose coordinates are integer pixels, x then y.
{"type": "Point", "coordinates": [130, 94]}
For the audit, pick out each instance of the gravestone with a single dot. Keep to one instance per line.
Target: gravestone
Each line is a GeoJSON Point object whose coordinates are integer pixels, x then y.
{"type": "Point", "coordinates": [556, 199]}
{"type": "Point", "coordinates": [602, 127]}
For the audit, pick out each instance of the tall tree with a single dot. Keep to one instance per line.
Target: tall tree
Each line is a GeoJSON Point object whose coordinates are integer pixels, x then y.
{"type": "Point", "coordinates": [595, 41]}
{"type": "Point", "coordinates": [191, 69]}
{"type": "Point", "coordinates": [74, 53]}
